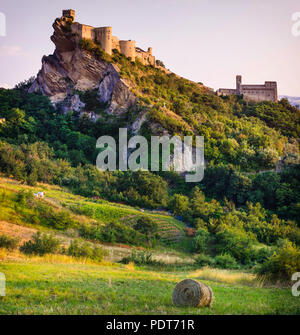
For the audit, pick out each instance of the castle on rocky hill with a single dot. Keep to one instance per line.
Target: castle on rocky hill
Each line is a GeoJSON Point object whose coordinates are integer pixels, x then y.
{"type": "Point", "coordinates": [108, 42]}
{"type": "Point", "coordinates": [266, 92]}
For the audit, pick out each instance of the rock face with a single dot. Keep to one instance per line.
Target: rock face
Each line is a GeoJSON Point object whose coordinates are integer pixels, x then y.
{"type": "Point", "coordinates": [115, 91]}
{"type": "Point", "coordinates": [71, 69]}
{"type": "Point", "coordinates": [108, 84]}
{"type": "Point", "coordinates": [76, 104]}
{"type": "Point", "coordinates": [137, 124]}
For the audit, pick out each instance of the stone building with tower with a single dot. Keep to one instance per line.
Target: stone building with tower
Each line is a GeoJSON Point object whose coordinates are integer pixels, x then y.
{"type": "Point", "coordinates": [108, 42]}
{"type": "Point", "coordinates": [257, 93]}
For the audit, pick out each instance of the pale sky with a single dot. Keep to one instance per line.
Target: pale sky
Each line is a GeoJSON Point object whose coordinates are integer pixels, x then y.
{"type": "Point", "coordinates": [209, 41]}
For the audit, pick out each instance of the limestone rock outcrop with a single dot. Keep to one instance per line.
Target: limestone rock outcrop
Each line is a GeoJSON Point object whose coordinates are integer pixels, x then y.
{"type": "Point", "coordinates": [116, 91]}
{"type": "Point", "coordinates": [137, 124]}
{"type": "Point", "coordinates": [108, 84]}
{"type": "Point", "coordinates": [72, 69]}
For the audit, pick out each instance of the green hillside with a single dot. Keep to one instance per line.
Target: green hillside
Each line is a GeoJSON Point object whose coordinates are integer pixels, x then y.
{"type": "Point", "coordinates": [71, 215]}
{"type": "Point", "coordinates": [244, 214]}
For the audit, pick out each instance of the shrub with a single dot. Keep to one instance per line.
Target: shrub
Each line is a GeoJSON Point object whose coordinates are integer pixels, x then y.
{"type": "Point", "coordinates": [282, 264]}
{"type": "Point", "coordinates": [140, 258]}
{"type": "Point", "coordinates": [8, 242]}
{"type": "Point", "coordinates": [147, 226]}
{"type": "Point", "coordinates": [160, 63]}
{"type": "Point", "coordinates": [94, 48]}
{"type": "Point", "coordinates": [24, 198]}
{"type": "Point", "coordinates": [204, 260]}
{"type": "Point", "coordinates": [42, 244]}
{"type": "Point", "coordinates": [32, 178]}
{"type": "Point", "coordinates": [83, 210]}
{"type": "Point", "coordinates": [118, 233]}
{"type": "Point", "coordinates": [78, 249]}
{"type": "Point", "coordinates": [60, 220]}
{"type": "Point", "coordinates": [262, 254]}
{"type": "Point", "coordinates": [90, 98]}
{"type": "Point", "coordinates": [179, 204]}
{"type": "Point", "coordinates": [143, 188]}
{"type": "Point", "coordinates": [225, 261]}
{"type": "Point", "coordinates": [235, 241]}
{"type": "Point", "coordinates": [200, 242]}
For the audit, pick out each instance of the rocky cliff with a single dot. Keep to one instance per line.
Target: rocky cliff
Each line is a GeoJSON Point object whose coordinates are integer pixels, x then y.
{"type": "Point", "coordinates": [71, 69]}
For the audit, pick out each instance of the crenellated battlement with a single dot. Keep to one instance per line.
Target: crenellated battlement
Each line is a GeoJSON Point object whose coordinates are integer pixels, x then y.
{"type": "Point", "coordinates": [103, 36]}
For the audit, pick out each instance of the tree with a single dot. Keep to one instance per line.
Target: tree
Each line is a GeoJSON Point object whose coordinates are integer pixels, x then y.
{"type": "Point", "coordinates": [200, 242]}
{"type": "Point", "coordinates": [160, 63]}
{"type": "Point", "coordinates": [235, 241]}
{"type": "Point", "coordinates": [179, 204]}
{"type": "Point", "coordinates": [32, 178]}
{"type": "Point", "coordinates": [268, 157]}
{"type": "Point", "coordinates": [201, 208]}
{"type": "Point", "coordinates": [147, 226]}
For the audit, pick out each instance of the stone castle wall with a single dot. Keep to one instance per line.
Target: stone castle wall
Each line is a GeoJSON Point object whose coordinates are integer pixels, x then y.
{"type": "Point", "coordinates": [116, 43]}
{"type": "Point", "coordinates": [145, 57]}
{"type": "Point", "coordinates": [103, 36]}
{"type": "Point", "coordinates": [257, 93]}
{"type": "Point", "coordinates": [108, 42]}
{"type": "Point", "coordinates": [128, 48]}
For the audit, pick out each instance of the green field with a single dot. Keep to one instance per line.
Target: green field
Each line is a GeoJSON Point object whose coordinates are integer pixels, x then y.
{"type": "Point", "coordinates": [43, 288]}
{"type": "Point", "coordinates": [59, 284]}
{"type": "Point", "coordinates": [100, 211]}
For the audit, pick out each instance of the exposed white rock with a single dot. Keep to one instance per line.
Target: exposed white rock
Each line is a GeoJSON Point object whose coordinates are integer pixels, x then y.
{"type": "Point", "coordinates": [136, 126]}
{"type": "Point", "coordinates": [108, 84]}
{"type": "Point", "coordinates": [115, 91]}
{"type": "Point", "coordinates": [76, 104]}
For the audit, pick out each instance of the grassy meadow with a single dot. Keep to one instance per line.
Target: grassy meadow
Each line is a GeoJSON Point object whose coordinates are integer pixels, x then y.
{"type": "Point", "coordinates": [62, 286]}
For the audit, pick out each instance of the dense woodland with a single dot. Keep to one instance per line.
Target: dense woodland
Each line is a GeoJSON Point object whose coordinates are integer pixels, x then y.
{"type": "Point", "coordinates": [243, 210]}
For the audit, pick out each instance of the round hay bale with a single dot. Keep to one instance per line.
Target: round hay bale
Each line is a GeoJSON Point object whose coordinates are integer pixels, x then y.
{"type": "Point", "coordinates": [192, 293]}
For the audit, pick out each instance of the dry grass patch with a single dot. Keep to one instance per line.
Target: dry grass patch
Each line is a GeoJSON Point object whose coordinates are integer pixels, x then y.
{"type": "Point", "coordinates": [227, 276]}
{"type": "Point", "coordinates": [22, 233]}
{"type": "Point", "coordinates": [3, 254]}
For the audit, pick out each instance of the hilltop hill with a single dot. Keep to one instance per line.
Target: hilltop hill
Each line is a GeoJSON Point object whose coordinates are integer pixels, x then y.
{"type": "Point", "coordinates": [80, 77]}
{"type": "Point", "coordinates": [242, 211]}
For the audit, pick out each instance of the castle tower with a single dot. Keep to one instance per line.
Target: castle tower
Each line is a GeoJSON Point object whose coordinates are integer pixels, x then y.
{"type": "Point", "coordinates": [128, 48]}
{"type": "Point", "coordinates": [272, 86]}
{"type": "Point", "coordinates": [238, 84]}
{"type": "Point", "coordinates": [69, 13]}
{"type": "Point", "coordinates": [104, 37]}
{"type": "Point", "coordinates": [150, 50]}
